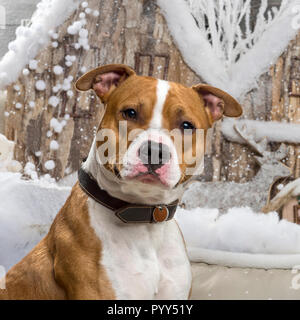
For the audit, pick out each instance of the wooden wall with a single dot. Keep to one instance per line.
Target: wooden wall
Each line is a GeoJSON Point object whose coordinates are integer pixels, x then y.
{"type": "Point", "coordinates": [134, 33]}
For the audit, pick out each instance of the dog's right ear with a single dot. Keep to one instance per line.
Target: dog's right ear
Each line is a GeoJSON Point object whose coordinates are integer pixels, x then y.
{"type": "Point", "coordinates": [104, 80]}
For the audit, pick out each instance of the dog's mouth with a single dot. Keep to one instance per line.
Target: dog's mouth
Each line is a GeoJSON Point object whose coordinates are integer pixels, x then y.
{"type": "Point", "coordinates": [148, 177]}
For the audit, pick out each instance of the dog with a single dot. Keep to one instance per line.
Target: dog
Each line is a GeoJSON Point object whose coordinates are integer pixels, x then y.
{"type": "Point", "coordinates": [115, 237]}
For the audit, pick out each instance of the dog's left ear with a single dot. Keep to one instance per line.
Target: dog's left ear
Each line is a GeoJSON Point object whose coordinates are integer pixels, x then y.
{"type": "Point", "coordinates": [218, 103]}
{"type": "Point", "coordinates": [104, 80]}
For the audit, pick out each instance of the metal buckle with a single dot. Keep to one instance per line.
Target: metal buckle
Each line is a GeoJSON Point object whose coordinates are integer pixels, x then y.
{"type": "Point", "coordinates": [160, 213]}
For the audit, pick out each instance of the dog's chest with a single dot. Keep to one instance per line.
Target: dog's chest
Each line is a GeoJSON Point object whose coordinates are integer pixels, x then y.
{"type": "Point", "coordinates": [142, 261]}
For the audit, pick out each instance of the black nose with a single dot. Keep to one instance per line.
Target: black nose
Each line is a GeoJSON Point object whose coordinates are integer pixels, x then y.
{"type": "Point", "coordinates": [154, 155]}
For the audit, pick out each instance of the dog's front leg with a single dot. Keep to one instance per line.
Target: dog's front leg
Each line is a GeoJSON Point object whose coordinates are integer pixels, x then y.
{"type": "Point", "coordinates": [85, 280]}
{"type": "Point", "coordinates": [176, 275]}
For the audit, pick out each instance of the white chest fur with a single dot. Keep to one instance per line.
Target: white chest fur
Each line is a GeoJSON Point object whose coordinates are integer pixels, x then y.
{"type": "Point", "coordinates": [142, 261]}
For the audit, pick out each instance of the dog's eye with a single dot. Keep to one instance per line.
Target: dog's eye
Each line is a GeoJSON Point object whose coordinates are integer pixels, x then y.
{"type": "Point", "coordinates": [187, 126]}
{"type": "Point", "coordinates": [129, 114]}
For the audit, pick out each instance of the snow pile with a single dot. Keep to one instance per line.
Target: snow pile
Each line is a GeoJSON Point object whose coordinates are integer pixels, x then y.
{"type": "Point", "coordinates": [216, 40]}
{"type": "Point", "coordinates": [27, 210]}
{"type": "Point", "coordinates": [272, 130]}
{"type": "Point", "coordinates": [240, 230]}
{"type": "Point", "coordinates": [29, 40]}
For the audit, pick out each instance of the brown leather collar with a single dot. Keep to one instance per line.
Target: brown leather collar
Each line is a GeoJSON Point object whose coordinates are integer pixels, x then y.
{"type": "Point", "coordinates": [127, 212]}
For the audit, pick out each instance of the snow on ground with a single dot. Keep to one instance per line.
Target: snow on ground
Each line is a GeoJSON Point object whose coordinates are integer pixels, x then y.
{"type": "Point", "coordinates": [239, 230]}
{"type": "Point", "coordinates": [27, 209]}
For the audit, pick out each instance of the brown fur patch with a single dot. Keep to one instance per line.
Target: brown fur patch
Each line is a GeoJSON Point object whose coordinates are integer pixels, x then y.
{"type": "Point", "coordinates": [66, 263]}
{"type": "Point", "coordinates": [139, 93]}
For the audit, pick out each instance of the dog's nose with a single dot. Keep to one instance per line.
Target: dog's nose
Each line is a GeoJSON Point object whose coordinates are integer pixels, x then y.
{"type": "Point", "coordinates": [154, 155]}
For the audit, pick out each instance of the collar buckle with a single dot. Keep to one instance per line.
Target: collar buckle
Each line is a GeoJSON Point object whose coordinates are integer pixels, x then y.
{"type": "Point", "coordinates": [160, 213]}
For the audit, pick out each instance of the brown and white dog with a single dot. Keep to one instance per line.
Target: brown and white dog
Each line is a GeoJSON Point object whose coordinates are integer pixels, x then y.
{"type": "Point", "coordinates": [89, 253]}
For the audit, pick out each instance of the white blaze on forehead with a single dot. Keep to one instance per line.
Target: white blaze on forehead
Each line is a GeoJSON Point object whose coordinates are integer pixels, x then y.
{"type": "Point", "coordinates": [162, 90]}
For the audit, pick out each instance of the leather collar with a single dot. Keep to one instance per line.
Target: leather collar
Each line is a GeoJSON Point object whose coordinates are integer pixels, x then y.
{"type": "Point", "coordinates": [127, 212]}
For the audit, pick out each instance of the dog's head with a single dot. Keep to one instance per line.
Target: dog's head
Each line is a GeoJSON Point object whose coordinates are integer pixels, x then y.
{"type": "Point", "coordinates": [153, 132]}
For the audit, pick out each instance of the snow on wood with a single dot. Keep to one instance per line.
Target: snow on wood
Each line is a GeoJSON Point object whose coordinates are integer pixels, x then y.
{"type": "Point", "coordinates": [214, 43]}
{"type": "Point", "coordinates": [271, 130]}
{"type": "Point", "coordinates": [30, 40]}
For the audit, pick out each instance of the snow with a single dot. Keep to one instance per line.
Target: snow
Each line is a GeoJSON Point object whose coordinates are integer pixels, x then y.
{"type": "Point", "coordinates": [19, 105]}
{"type": "Point", "coordinates": [31, 39]}
{"type": "Point", "coordinates": [29, 207]}
{"type": "Point", "coordinates": [239, 230]}
{"type": "Point", "coordinates": [54, 145]}
{"type": "Point", "coordinates": [33, 64]}
{"type": "Point", "coordinates": [70, 93]}
{"type": "Point", "coordinates": [40, 85]}
{"type": "Point", "coordinates": [272, 130]}
{"type": "Point", "coordinates": [57, 125]}
{"type": "Point", "coordinates": [224, 55]}
{"type": "Point", "coordinates": [26, 212]}
{"type": "Point", "coordinates": [83, 33]}
{"type": "Point", "coordinates": [31, 104]}
{"type": "Point", "coordinates": [75, 27]}
{"type": "Point", "coordinates": [50, 165]}
{"type": "Point", "coordinates": [54, 36]}
{"type": "Point", "coordinates": [54, 101]}
{"type": "Point", "coordinates": [56, 88]}
{"type": "Point", "coordinates": [30, 171]}
{"type": "Point", "coordinates": [25, 72]}
{"type": "Point", "coordinates": [66, 84]}
{"type": "Point", "coordinates": [58, 70]}
{"type": "Point", "coordinates": [96, 13]}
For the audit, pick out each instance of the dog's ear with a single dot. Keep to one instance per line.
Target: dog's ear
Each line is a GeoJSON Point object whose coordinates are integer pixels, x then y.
{"type": "Point", "coordinates": [104, 80]}
{"type": "Point", "coordinates": [218, 103]}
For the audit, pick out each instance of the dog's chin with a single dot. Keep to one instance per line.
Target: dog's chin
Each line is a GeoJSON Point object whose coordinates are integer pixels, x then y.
{"type": "Point", "coordinates": [153, 180]}
{"type": "Point", "coordinates": [143, 189]}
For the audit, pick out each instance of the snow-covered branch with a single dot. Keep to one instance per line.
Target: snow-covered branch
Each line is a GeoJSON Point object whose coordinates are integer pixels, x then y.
{"type": "Point", "coordinates": [224, 44]}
